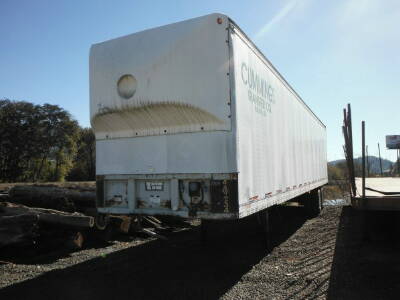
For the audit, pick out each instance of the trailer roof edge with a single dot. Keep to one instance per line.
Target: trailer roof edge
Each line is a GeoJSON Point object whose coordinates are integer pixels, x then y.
{"type": "Point", "coordinates": [275, 70]}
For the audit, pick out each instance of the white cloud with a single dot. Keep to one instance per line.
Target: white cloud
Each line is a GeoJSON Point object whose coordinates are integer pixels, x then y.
{"type": "Point", "coordinates": [276, 19]}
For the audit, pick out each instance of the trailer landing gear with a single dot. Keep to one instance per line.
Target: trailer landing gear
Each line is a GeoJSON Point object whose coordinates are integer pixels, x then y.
{"type": "Point", "coordinates": [203, 231]}
{"type": "Point", "coordinates": [313, 203]}
{"type": "Point", "coordinates": [207, 227]}
{"type": "Point", "coordinates": [264, 221]}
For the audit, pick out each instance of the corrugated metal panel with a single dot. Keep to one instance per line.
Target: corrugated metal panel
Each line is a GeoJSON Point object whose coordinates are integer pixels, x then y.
{"type": "Point", "coordinates": [281, 145]}
{"type": "Point", "coordinates": [200, 152]}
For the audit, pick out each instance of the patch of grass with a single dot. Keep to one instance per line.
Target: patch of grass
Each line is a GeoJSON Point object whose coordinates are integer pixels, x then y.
{"type": "Point", "coordinates": [333, 192]}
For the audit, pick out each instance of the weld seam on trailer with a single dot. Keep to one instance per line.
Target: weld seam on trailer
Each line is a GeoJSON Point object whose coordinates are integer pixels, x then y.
{"type": "Point", "coordinates": [163, 134]}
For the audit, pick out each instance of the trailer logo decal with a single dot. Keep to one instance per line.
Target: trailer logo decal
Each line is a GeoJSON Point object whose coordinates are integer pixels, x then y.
{"type": "Point", "coordinates": [260, 92]}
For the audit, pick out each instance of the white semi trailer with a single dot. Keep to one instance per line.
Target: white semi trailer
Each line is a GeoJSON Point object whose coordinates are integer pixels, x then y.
{"type": "Point", "coordinates": [192, 120]}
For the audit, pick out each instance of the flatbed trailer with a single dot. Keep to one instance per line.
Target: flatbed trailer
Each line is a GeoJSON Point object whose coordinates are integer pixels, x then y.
{"type": "Point", "coordinates": [381, 194]}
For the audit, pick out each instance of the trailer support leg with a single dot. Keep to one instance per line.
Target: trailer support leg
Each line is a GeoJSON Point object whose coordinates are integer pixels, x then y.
{"type": "Point", "coordinates": [204, 231]}
{"type": "Point", "coordinates": [268, 239]}
{"type": "Point", "coordinates": [313, 203]}
{"type": "Point", "coordinates": [264, 222]}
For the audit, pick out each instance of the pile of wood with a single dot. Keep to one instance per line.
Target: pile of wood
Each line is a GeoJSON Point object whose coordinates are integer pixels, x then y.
{"type": "Point", "coordinates": [348, 148]}
{"type": "Point", "coordinates": [53, 197]}
{"type": "Point", "coordinates": [32, 213]}
{"type": "Point", "coordinates": [18, 229]}
{"type": "Point", "coordinates": [22, 224]}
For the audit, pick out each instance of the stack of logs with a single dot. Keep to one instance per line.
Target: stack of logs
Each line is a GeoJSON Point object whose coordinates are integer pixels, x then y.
{"type": "Point", "coordinates": [31, 212]}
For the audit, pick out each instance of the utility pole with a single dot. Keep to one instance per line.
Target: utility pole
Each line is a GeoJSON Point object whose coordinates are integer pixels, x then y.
{"type": "Point", "coordinates": [367, 161]}
{"type": "Point", "coordinates": [398, 161]}
{"type": "Point", "coordinates": [380, 160]}
{"type": "Point", "coordinates": [351, 141]}
{"type": "Point", "coordinates": [363, 157]}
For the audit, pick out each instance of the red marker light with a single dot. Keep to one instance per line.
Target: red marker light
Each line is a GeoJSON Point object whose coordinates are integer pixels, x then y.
{"type": "Point", "coordinates": [219, 21]}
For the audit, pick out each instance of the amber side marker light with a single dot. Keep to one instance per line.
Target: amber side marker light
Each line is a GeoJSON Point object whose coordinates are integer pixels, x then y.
{"type": "Point", "coordinates": [219, 21]}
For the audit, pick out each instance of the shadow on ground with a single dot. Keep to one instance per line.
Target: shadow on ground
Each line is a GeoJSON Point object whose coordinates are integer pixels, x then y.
{"type": "Point", "coordinates": [366, 263]}
{"type": "Point", "coordinates": [180, 268]}
{"type": "Point", "coordinates": [47, 251]}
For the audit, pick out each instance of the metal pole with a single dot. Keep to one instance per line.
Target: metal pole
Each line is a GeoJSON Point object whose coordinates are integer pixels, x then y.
{"type": "Point", "coordinates": [349, 125]}
{"type": "Point", "coordinates": [398, 161]}
{"type": "Point", "coordinates": [346, 155]}
{"type": "Point", "coordinates": [366, 149]}
{"type": "Point", "coordinates": [363, 157]}
{"type": "Point", "coordinates": [380, 159]}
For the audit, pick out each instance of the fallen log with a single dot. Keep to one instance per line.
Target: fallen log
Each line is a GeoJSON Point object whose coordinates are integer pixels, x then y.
{"type": "Point", "coordinates": [18, 229]}
{"type": "Point", "coordinates": [67, 220]}
{"type": "Point", "coordinates": [53, 197]}
{"type": "Point", "coordinates": [4, 197]}
{"type": "Point", "coordinates": [121, 223]}
{"type": "Point", "coordinates": [49, 216]}
{"type": "Point", "coordinates": [52, 191]}
{"type": "Point", "coordinates": [75, 241]}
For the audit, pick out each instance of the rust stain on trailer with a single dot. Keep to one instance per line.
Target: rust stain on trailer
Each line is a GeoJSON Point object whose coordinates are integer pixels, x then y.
{"type": "Point", "coordinates": [254, 198]}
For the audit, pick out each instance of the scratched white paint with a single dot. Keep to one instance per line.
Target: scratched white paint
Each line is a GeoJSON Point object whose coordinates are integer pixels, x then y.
{"type": "Point", "coordinates": [180, 80]}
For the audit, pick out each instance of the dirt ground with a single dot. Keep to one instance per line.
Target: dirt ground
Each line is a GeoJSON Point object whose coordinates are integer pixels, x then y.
{"type": "Point", "coordinates": [325, 257]}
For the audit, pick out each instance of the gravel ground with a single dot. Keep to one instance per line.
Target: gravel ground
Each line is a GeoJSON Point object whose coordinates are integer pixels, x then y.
{"type": "Point", "coordinates": [25, 266]}
{"type": "Point", "coordinates": [325, 257]}
{"type": "Point", "coordinates": [299, 268]}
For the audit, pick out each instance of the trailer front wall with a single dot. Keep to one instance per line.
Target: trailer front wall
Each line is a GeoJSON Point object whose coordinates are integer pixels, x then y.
{"type": "Point", "coordinates": [281, 144]}
{"type": "Point", "coordinates": [161, 81]}
{"type": "Point", "coordinates": [178, 120]}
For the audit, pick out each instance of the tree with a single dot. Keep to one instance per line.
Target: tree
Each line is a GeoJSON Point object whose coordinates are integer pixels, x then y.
{"type": "Point", "coordinates": [85, 160]}
{"type": "Point", "coordinates": [19, 138]}
{"type": "Point", "coordinates": [335, 173]}
{"type": "Point", "coordinates": [59, 136]}
{"type": "Point", "coordinates": [34, 139]}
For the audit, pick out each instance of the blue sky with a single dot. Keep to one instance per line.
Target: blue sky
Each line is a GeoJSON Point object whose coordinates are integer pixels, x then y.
{"type": "Point", "coordinates": [331, 52]}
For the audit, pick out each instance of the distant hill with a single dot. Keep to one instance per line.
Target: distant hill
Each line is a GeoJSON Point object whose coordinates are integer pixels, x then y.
{"type": "Point", "coordinates": [373, 163]}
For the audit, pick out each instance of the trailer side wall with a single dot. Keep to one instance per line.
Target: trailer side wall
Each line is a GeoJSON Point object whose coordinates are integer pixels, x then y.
{"type": "Point", "coordinates": [281, 144]}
